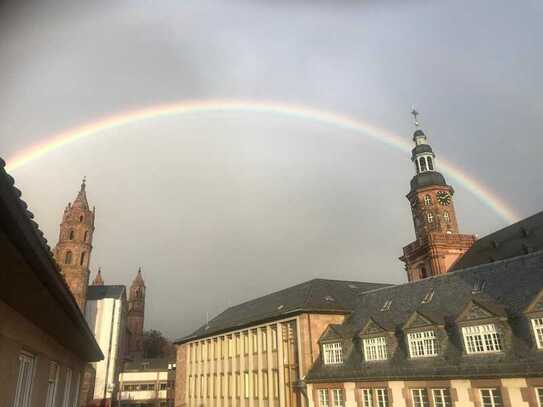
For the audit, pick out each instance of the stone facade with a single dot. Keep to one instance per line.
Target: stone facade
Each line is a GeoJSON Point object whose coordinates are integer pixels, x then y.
{"type": "Point", "coordinates": [74, 246]}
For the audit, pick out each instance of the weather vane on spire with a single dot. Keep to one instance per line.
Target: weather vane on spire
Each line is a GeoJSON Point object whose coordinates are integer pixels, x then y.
{"type": "Point", "coordinates": [415, 114]}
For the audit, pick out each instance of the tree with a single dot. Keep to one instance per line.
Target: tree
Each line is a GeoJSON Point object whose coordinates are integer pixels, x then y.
{"type": "Point", "coordinates": [155, 345]}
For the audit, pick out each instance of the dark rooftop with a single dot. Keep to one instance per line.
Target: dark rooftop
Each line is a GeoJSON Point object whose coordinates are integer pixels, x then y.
{"type": "Point", "coordinates": [326, 296]}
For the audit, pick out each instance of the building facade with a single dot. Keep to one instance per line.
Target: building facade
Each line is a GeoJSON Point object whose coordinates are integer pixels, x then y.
{"type": "Point", "coordinates": [147, 383]}
{"type": "Point", "coordinates": [45, 342]}
{"type": "Point", "coordinates": [438, 244]}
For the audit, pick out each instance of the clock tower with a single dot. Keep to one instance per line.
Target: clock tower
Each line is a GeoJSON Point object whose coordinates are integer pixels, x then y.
{"type": "Point", "coordinates": [438, 243]}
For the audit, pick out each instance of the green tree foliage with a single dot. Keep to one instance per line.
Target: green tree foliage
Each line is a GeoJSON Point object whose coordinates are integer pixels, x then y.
{"type": "Point", "coordinates": [155, 345]}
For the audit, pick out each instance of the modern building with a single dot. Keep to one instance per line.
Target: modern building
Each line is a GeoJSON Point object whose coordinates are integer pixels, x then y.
{"type": "Point", "coordinates": [106, 314]}
{"type": "Point", "coordinates": [147, 383]}
{"type": "Point", "coordinates": [45, 341]}
{"type": "Point", "coordinates": [438, 244]}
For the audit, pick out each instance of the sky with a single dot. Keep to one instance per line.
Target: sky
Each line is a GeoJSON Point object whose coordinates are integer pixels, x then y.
{"type": "Point", "coordinates": [222, 207]}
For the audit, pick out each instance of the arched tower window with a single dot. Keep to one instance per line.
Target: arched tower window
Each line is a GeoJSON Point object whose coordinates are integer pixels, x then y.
{"type": "Point", "coordinates": [430, 217]}
{"type": "Point", "coordinates": [423, 164]}
{"type": "Point", "coordinates": [417, 166]}
{"type": "Point", "coordinates": [68, 257]}
{"type": "Point", "coordinates": [427, 200]}
{"type": "Point", "coordinates": [86, 236]}
{"type": "Point", "coordinates": [82, 259]}
{"type": "Point", "coordinates": [423, 272]}
{"type": "Point", "coordinates": [71, 236]}
{"type": "Point", "coordinates": [446, 216]}
{"type": "Point", "coordinates": [430, 163]}
{"type": "Point", "coordinates": [81, 218]}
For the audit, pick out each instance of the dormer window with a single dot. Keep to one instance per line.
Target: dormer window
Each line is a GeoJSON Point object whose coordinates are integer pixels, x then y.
{"type": "Point", "coordinates": [482, 339]}
{"type": "Point", "coordinates": [423, 344]}
{"type": "Point", "coordinates": [428, 297]}
{"type": "Point", "coordinates": [386, 306]}
{"type": "Point", "coordinates": [537, 325]}
{"type": "Point", "coordinates": [333, 353]}
{"type": "Point", "coordinates": [478, 286]}
{"type": "Point", "coordinates": [375, 348]}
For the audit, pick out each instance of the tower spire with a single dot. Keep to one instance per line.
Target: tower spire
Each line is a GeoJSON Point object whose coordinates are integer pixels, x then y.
{"type": "Point", "coordinates": [98, 279]}
{"type": "Point", "coordinates": [414, 113]}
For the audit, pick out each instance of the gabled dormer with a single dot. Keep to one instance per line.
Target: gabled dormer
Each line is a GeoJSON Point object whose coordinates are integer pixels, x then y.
{"type": "Point", "coordinates": [534, 314]}
{"type": "Point", "coordinates": [331, 344]}
{"type": "Point", "coordinates": [378, 341]}
{"type": "Point", "coordinates": [425, 335]}
{"type": "Point", "coordinates": [484, 328]}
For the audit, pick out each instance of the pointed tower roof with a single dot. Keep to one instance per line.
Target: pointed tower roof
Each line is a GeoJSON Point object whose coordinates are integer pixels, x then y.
{"type": "Point", "coordinates": [138, 281]}
{"type": "Point", "coordinates": [98, 279]}
{"type": "Point", "coordinates": [81, 199]}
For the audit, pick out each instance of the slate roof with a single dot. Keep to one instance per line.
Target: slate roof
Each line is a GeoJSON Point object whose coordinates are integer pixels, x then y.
{"type": "Point", "coordinates": [99, 292]}
{"type": "Point", "coordinates": [425, 179]}
{"type": "Point", "coordinates": [510, 286]}
{"type": "Point", "coordinates": [520, 238]}
{"type": "Point", "coordinates": [36, 287]}
{"type": "Point", "coordinates": [325, 296]}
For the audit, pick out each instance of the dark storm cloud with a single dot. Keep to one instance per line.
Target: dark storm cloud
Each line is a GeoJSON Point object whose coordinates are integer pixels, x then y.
{"type": "Point", "coordinates": [220, 208]}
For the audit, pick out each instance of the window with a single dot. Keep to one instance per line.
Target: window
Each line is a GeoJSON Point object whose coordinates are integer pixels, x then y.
{"type": "Point", "coordinates": [423, 164]}
{"type": "Point", "coordinates": [68, 257]}
{"type": "Point", "coordinates": [238, 385]}
{"type": "Point", "coordinates": [24, 380]}
{"type": "Point", "coordinates": [209, 386]}
{"type": "Point", "coordinates": [420, 398]}
{"type": "Point", "coordinates": [478, 286]}
{"type": "Point", "coordinates": [216, 347]}
{"type": "Point", "coordinates": [482, 339]}
{"type": "Point", "coordinates": [274, 338]}
{"type": "Point", "coordinates": [491, 398]}
{"type": "Point", "coordinates": [230, 346]}
{"type": "Point", "coordinates": [430, 163]}
{"type": "Point", "coordinates": [221, 385]}
{"type": "Point", "coordinates": [52, 381]}
{"type": "Point", "coordinates": [82, 259]}
{"type": "Point", "coordinates": [224, 347]}
{"type": "Point", "coordinates": [85, 237]}
{"type": "Point", "coordinates": [333, 353]}
{"type": "Point", "coordinates": [323, 398]}
{"type": "Point", "coordinates": [230, 385]}
{"type": "Point", "coordinates": [367, 397]}
{"type": "Point", "coordinates": [417, 166]}
{"type": "Point", "coordinates": [238, 345]}
{"type": "Point", "coordinates": [337, 395]}
{"type": "Point", "coordinates": [245, 343]}
{"type": "Point", "coordinates": [382, 397]}
{"type": "Point", "coordinates": [537, 324]}
{"type": "Point", "coordinates": [246, 389]}
{"type": "Point", "coordinates": [275, 379]}
{"type": "Point", "coordinates": [427, 200]}
{"type": "Point", "coordinates": [375, 348]}
{"type": "Point", "coordinates": [81, 218]}
{"type": "Point", "coordinates": [215, 386]}
{"type": "Point", "coordinates": [264, 340]}
{"type": "Point", "coordinates": [386, 306]}
{"type": "Point", "coordinates": [255, 385]}
{"type": "Point", "coordinates": [428, 297]}
{"type": "Point", "coordinates": [423, 272]}
{"type": "Point", "coordinates": [201, 386]}
{"type": "Point", "coordinates": [422, 344]}
{"type": "Point", "coordinates": [430, 217]}
{"type": "Point", "coordinates": [446, 216]}
{"type": "Point", "coordinates": [442, 397]}
{"type": "Point", "coordinates": [189, 386]}
{"type": "Point", "coordinates": [539, 396]}
{"type": "Point", "coordinates": [71, 236]}
{"type": "Point", "coordinates": [265, 384]}
{"type": "Point", "coordinates": [67, 387]}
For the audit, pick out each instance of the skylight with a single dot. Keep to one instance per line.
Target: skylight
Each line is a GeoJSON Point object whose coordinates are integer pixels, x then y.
{"type": "Point", "coordinates": [428, 297]}
{"type": "Point", "coordinates": [386, 305]}
{"type": "Point", "coordinates": [478, 286]}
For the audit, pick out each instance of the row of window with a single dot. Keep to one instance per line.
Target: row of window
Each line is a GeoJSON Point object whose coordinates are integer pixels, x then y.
{"type": "Point", "coordinates": [144, 386]}
{"type": "Point", "coordinates": [233, 345]}
{"type": "Point", "coordinates": [230, 385]}
{"type": "Point", "coordinates": [71, 235]}
{"type": "Point", "coordinates": [68, 258]}
{"type": "Point", "coordinates": [485, 338]}
{"type": "Point", "coordinates": [424, 164]}
{"type": "Point", "coordinates": [430, 217]}
{"type": "Point", "coordinates": [25, 383]}
{"type": "Point", "coordinates": [420, 397]}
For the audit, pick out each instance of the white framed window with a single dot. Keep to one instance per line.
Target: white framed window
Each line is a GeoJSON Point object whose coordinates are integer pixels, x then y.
{"type": "Point", "coordinates": [333, 353]}
{"type": "Point", "coordinates": [537, 324]}
{"type": "Point", "coordinates": [386, 306]}
{"type": "Point", "coordinates": [25, 376]}
{"type": "Point", "coordinates": [265, 384]}
{"type": "Point", "coordinates": [67, 387]}
{"type": "Point", "coordinates": [375, 348]}
{"type": "Point", "coordinates": [482, 339]}
{"type": "Point", "coordinates": [337, 396]}
{"type": "Point", "coordinates": [429, 217]}
{"type": "Point", "coordinates": [375, 397]}
{"type": "Point", "coordinates": [420, 398]}
{"type": "Point", "coordinates": [323, 398]}
{"type": "Point", "coordinates": [446, 216]}
{"type": "Point", "coordinates": [539, 396]}
{"type": "Point", "coordinates": [491, 398]}
{"type": "Point", "coordinates": [442, 397]}
{"type": "Point", "coordinates": [52, 383]}
{"type": "Point", "coordinates": [246, 388]}
{"type": "Point", "coordinates": [423, 344]}
{"type": "Point", "coordinates": [427, 200]}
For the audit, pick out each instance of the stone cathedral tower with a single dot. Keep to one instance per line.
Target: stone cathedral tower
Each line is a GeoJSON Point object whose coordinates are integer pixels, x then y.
{"type": "Point", "coordinates": [136, 314]}
{"type": "Point", "coordinates": [438, 243]}
{"type": "Point", "coordinates": [74, 246]}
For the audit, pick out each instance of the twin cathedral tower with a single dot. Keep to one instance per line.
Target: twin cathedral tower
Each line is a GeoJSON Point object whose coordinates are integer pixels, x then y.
{"type": "Point", "coordinates": [437, 247]}
{"type": "Point", "coordinates": [72, 254]}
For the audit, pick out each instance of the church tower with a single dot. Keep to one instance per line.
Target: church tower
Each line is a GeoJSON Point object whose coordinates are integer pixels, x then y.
{"type": "Point", "coordinates": [438, 243]}
{"type": "Point", "coordinates": [74, 246]}
{"type": "Point", "coordinates": [136, 314]}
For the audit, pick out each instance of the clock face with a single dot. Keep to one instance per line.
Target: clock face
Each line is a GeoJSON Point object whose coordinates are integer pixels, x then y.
{"type": "Point", "coordinates": [444, 198]}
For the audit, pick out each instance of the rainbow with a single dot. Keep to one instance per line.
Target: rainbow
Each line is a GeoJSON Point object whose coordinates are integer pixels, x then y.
{"type": "Point", "coordinates": [61, 139]}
